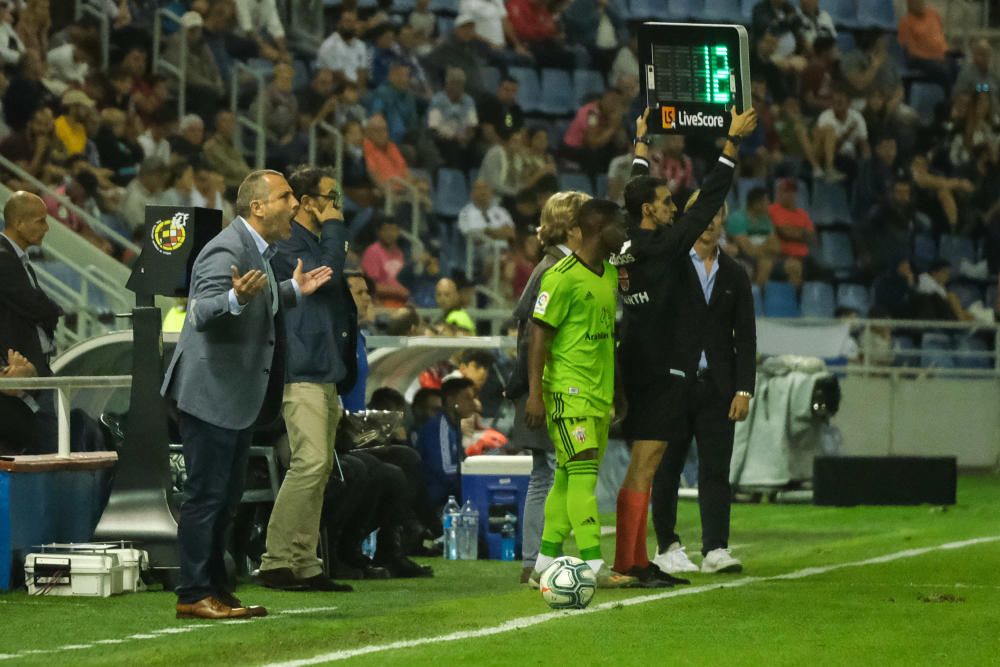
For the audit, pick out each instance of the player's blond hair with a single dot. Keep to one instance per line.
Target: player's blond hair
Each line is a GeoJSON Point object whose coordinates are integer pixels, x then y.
{"type": "Point", "coordinates": [559, 215]}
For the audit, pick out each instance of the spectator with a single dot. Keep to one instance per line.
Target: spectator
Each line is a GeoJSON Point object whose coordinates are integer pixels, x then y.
{"type": "Point", "coordinates": [875, 177]}
{"type": "Point", "coordinates": [421, 25]}
{"type": "Point", "coordinates": [207, 188]}
{"type": "Point", "coordinates": [11, 45]}
{"type": "Point", "coordinates": [118, 151]}
{"type": "Point", "coordinates": [382, 54]}
{"type": "Point", "coordinates": [26, 92]}
{"type": "Point", "coordinates": [408, 53]}
{"type": "Point", "coordinates": [869, 68]}
{"type": "Point", "coordinates": [893, 291]}
{"type": "Point", "coordinates": [119, 91]}
{"type": "Point", "coordinates": [356, 181]}
{"type": "Point", "coordinates": [187, 143]}
{"type": "Point", "coordinates": [598, 26]}
{"type": "Point", "coordinates": [180, 185]}
{"type": "Point", "coordinates": [281, 118]}
{"type": "Point", "coordinates": [933, 300]}
{"type": "Point", "coordinates": [458, 50]}
{"type": "Point", "coordinates": [795, 146]}
{"type": "Point", "coordinates": [778, 18]}
{"type": "Point", "coordinates": [500, 111]}
{"type": "Point", "coordinates": [817, 77]}
{"type": "Point", "coordinates": [145, 188]}
{"type": "Point", "coordinates": [626, 62]}
{"type": "Point", "coordinates": [80, 192]}
{"type": "Point", "coordinates": [455, 321]}
{"type": "Point", "coordinates": [318, 101]}
{"type": "Point", "coordinates": [439, 440]}
{"type": "Point", "coordinates": [33, 26]}
{"type": "Point", "coordinates": [538, 159]}
{"type": "Point", "coordinates": [344, 53]}
{"type": "Point", "coordinates": [382, 262]}
{"type": "Point", "coordinates": [221, 152]}
{"type": "Point", "coordinates": [795, 231]}
{"type": "Point", "coordinates": [841, 138]}
{"type": "Point", "coordinates": [361, 288]}
{"type": "Point", "coordinates": [752, 232]}
{"type": "Point", "coordinates": [772, 69]}
{"type": "Point", "coordinates": [349, 106]}
{"type": "Point", "coordinates": [68, 65]}
{"type": "Point", "coordinates": [149, 93]}
{"type": "Point", "coordinates": [154, 141]}
{"type": "Point", "coordinates": [922, 35]}
{"type": "Point", "coordinates": [31, 148]}
{"type": "Point", "coordinates": [483, 216]}
{"type": "Point", "coordinates": [888, 230]}
{"type": "Point", "coordinates": [941, 190]}
{"type": "Point", "coordinates": [385, 164]}
{"type": "Point", "coordinates": [814, 23]}
{"type": "Point", "coordinates": [595, 134]}
{"type": "Point", "coordinates": [977, 75]}
{"type": "Point", "coordinates": [474, 364]}
{"type": "Point", "coordinates": [397, 104]}
{"type": "Point", "coordinates": [503, 168]}
{"type": "Point", "coordinates": [453, 121]}
{"type": "Point", "coordinates": [535, 25]}
{"type": "Point", "coordinates": [669, 162]}
{"type": "Point", "coordinates": [426, 402]}
{"type": "Point", "coordinates": [259, 20]}
{"type": "Point", "coordinates": [499, 42]}
{"type": "Point", "coordinates": [71, 126]}
{"type": "Point", "coordinates": [404, 321]}
{"type": "Point", "coordinates": [205, 86]}
{"type": "Point", "coordinates": [526, 253]}
{"type": "Point", "coordinates": [226, 46]}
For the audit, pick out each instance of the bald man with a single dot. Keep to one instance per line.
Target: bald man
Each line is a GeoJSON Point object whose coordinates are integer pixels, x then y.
{"type": "Point", "coordinates": [28, 319]}
{"type": "Point", "coordinates": [453, 316]}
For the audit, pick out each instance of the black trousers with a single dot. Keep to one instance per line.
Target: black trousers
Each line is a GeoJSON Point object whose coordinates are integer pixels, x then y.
{"type": "Point", "coordinates": [699, 411]}
{"type": "Point", "coordinates": [216, 462]}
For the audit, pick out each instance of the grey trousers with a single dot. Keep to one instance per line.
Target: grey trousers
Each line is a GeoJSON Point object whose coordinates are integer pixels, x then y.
{"type": "Point", "coordinates": [543, 468]}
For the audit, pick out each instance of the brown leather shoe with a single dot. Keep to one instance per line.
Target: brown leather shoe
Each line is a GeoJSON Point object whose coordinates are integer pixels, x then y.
{"type": "Point", "coordinates": [232, 601]}
{"type": "Point", "coordinates": [212, 609]}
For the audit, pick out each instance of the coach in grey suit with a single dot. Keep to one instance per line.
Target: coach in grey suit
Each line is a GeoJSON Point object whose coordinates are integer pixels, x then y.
{"type": "Point", "coordinates": [226, 376]}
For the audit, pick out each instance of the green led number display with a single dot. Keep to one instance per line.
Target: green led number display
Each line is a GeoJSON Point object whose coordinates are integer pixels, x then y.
{"type": "Point", "coordinates": [692, 73]}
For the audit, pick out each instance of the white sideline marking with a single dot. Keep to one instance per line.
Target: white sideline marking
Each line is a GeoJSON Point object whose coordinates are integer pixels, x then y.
{"type": "Point", "coordinates": [530, 621]}
{"type": "Point", "coordinates": [156, 634]}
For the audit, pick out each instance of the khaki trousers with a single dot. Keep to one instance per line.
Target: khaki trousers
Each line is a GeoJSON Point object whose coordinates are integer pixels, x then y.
{"type": "Point", "coordinates": [312, 412]}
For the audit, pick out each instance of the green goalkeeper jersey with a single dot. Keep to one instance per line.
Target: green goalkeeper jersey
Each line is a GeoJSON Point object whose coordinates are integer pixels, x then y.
{"type": "Point", "coordinates": [580, 305]}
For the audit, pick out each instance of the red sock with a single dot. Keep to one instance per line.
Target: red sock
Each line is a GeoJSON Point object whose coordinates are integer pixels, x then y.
{"type": "Point", "coordinates": [641, 557]}
{"type": "Point", "coordinates": [631, 509]}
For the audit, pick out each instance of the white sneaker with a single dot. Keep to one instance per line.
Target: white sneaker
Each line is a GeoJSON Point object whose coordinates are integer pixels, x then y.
{"type": "Point", "coordinates": [720, 560]}
{"type": "Point", "coordinates": [674, 560]}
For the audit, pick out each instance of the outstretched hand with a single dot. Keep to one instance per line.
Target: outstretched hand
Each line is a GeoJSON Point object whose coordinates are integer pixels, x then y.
{"type": "Point", "coordinates": [311, 281]}
{"type": "Point", "coordinates": [248, 285]}
{"type": "Point", "coordinates": [640, 124]}
{"type": "Point", "coordinates": [742, 124]}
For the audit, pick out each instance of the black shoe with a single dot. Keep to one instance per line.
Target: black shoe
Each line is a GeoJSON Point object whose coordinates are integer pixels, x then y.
{"type": "Point", "coordinates": [342, 571]}
{"type": "Point", "coordinates": [282, 579]}
{"type": "Point", "coordinates": [652, 577]}
{"type": "Point", "coordinates": [321, 582]}
{"type": "Point", "coordinates": [404, 568]}
{"type": "Point", "coordinates": [375, 572]}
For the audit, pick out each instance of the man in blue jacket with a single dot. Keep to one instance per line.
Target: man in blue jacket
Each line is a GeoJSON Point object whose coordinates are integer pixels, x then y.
{"type": "Point", "coordinates": [321, 366]}
{"type": "Point", "coordinates": [439, 441]}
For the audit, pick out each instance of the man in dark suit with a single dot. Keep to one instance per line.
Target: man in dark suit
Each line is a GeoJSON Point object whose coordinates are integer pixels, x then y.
{"type": "Point", "coordinates": [712, 359]}
{"type": "Point", "coordinates": [28, 318]}
{"type": "Point", "coordinates": [226, 375]}
{"type": "Point", "coordinates": [321, 365]}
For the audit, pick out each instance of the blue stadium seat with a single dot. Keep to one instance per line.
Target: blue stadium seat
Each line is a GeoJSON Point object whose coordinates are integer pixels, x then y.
{"type": "Point", "coordinates": [743, 188]}
{"type": "Point", "coordinates": [445, 25]}
{"type": "Point", "coordinates": [973, 344]}
{"type": "Point", "coordinates": [836, 253]}
{"type": "Point", "coordinates": [675, 9]}
{"type": "Point", "coordinates": [451, 193]}
{"type": "Point", "coordinates": [571, 181]}
{"type": "Point", "coordinates": [845, 41]}
{"type": "Point", "coordinates": [602, 186]}
{"type": "Point", "coordinates": [904, 346]}
{"type": "Point", "coordinates": [758, 300]}
{"type": "Point", "coordinates": [935, 348]}
{"type": "Point", "coordinates": [956, 248]}
{"type": "Point", "coordinates": [586, 83]}
{"type": "Point", "coordinates": [447, 6]}
{"type": "Point", "coordinates": [829, 204]}
{"type": "Point", "coordinates": [925, 251]}
{"type": "Point", "coordinates": [843, 12]}
{"type": "Point", "coordinates": [968, 293]}
{"type": "Point", "coordinates": [490, 76]}
{"type": "Point", "coordinates": [877, 14]}
{"type": "Point", "coordinates": [817, 299]}
{"type": "Point", "coordinates": [529, 90]}
{"type": "Point", "coordinates": [925, 98]}
{"type": "Point", "coordinates": [856, 297]}
{"type": "Point", "coordinates": [403, 6]}
{"type": "Point", "coordinates": [557, 92]}
{"type": "Point", "coordinates": [780, 300]}
{"type": "Point", "coordinates": [723, 11]}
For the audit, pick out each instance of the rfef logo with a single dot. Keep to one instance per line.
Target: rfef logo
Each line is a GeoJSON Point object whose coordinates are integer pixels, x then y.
{"type": "Point", "coordinates": [669, 117]}
{"type": "Point", "coordinates": [169, 235]}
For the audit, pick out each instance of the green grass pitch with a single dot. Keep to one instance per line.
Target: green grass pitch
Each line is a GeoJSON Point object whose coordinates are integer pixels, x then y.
{"type": "Point", "coordinates": [929, 606]}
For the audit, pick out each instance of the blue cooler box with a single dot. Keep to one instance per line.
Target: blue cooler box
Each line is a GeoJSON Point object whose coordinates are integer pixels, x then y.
{"type": "Point", "coordinates": [497, 486]}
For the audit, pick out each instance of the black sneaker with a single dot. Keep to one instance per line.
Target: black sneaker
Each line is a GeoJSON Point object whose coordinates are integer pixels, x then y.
{"type": "Point", "coordinates": [282, 579]}
{"type": "Point", "coordinates": [404, 568]}
{"type": "Point", "coordinates": [652, 577]}
{"type": "Point", "coordinates": [323, 583]}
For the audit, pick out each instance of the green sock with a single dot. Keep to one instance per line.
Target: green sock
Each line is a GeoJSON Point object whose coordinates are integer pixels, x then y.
{"type": "Point", "coordinates": [557, 524]}
{"type": "Point", "coordinates": [582, 507]}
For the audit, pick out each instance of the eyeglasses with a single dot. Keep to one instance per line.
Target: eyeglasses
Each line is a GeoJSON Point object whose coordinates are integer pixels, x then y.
{"type": "Point", "coordinates": [334, 197]}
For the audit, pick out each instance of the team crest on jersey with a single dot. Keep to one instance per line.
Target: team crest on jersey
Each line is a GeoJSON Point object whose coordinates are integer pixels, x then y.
{"type": "Point", "coordinates": [623, 281]}
{"type": "Point", "coordinates": [580, 434]}
{"type": "Point", "coordinates": [541, 303]}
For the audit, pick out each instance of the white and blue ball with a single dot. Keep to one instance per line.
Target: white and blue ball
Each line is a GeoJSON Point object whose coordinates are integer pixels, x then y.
{"type": "Point", "coordinates": [568, 583]}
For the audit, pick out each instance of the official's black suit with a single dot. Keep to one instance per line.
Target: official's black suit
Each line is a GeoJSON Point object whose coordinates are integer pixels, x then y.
{"type": "Point", "coordinates": [24, 308]}
{"type": "Point", "coordinates": [699, 400]}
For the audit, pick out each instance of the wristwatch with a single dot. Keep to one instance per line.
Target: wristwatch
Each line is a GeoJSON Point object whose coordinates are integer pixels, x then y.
{"type": "Point", "coordinates": [734, 140]}
{"type": "Point", "coordinates": [745, 394]}
{"type": "Point", "coordinates": [644, 140]}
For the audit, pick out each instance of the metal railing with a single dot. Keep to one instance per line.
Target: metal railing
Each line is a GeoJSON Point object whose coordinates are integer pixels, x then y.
{"type": "Point", "coordinates": [64, 386]}
{"type": "Point", "coordinates": [474, 242]}
{"type": "Point", "coordinates": [160, 64]}
{"type": "Point", "coordinates": [93, 8]}
{"type": "Point", "coordinates": [338, 146]}
{"type": "Point", "coordinates": [256, 124]}
{"type": "Point", "coordinates": [96, 224]}
{"type": "Point", "coordinates": [412, 195]}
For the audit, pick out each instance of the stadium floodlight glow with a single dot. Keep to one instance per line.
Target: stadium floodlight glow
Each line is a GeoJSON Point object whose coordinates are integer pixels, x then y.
{"type": "Point", "coordinates": [694, 74]}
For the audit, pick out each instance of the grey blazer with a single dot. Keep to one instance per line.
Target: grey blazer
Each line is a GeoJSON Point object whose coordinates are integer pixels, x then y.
{"type": "Point", "coordinates": [221, 366]}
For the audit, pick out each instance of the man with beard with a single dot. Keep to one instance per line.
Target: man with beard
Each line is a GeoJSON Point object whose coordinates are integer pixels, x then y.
{"type": "Point", "coordinates": [649, 265]}
{"type": "Point", "coordinates": [344, 53]}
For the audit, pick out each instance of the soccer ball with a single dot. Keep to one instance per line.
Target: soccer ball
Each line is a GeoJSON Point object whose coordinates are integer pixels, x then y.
{"type": "Point", "coordinates": [568, 583]}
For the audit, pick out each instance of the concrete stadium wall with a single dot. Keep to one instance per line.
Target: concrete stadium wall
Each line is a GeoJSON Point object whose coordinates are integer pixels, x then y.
{"type": "Point", "coordinates": [922, 416]}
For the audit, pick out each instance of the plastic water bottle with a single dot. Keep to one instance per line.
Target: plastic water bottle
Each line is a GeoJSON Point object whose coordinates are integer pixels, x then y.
{"type": "Point", "coordinates": [370, 544]}
{"type": "Point", "coordinates": [507, 538]}
{"type": "Point", "coordinates": [451, 516]}
{"type": "Point", "coordinates": [468, 542]}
